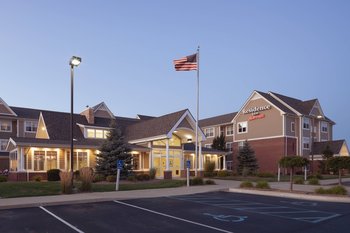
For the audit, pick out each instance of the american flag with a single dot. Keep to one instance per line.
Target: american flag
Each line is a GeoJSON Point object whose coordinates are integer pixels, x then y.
{"type": "Point", "coordinates": [186, 63]}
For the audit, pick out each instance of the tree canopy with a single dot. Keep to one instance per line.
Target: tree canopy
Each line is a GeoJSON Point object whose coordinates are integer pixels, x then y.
{"type": "Point", "coordinates": [219, 143]}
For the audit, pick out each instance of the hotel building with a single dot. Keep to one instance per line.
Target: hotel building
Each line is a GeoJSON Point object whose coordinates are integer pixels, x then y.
{"type": "Point", "coordinates": [275, 126]}
{"type": "Point", "coordinates": [34, 141]}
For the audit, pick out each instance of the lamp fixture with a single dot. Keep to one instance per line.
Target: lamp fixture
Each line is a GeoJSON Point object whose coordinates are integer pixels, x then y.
{"type": "Point", "coordinates": [75, 61]}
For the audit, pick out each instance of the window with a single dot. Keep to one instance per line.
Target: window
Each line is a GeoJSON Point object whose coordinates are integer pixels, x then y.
{"type": "Point", "coordinates": [209, 132]}
{"type": "Point", "coordinates": [96, 133]}
{"type": "Point", "coordinates": [229, 146]}
{"type": "Point", "coordinates": [51, 160]}
{"type": "Point", "coordinates": [80, 159]}
{"type": "Point", "coordinates": [306, 143]}
{"type": "Point", "coordinates": [242, 127]}
{"type": "Point", "coordinates": [324, 127]}
{"type": "Point", "coordinates": [240, 145]}
{"type": "Point", "coordinates": [292, 127]}
{"type": "Point", "coordinates": [5, 126]}
{"type": "Point", "coordinates": [31, 126]}
{"type": "Point", "coordinates": [39, 160]}
{"type": "Point", "coordinates": [306, 123]}
{"type": "Point", "coordinates": [3, 144]}
{"type": "Point", "coordinates": [229, 130]}
{"type": "Point", "coordinates": [207, 145]}
{"type": "Point", "coordinates": [136, 161]}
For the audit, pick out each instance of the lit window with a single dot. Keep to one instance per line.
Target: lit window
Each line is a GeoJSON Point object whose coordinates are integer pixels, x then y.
{"type": "Point", "coordinates": [209, 132]}
{"type": "Point", "coordinates": [324, 127]}
{"type": "Point", "coordinates": [105, 133]}
{"type": "Point", "coordinates": [51, 160]}
{"type": "Point", "coordinates": [3, 144]}
{"type": "Point", "coordinates": [39, 160]}
{"type": "Point", "coordinates": [306, 123]}
{"type": "Point", "coordinates": [306, 143]}
{"type": "Point", "coordinates": [5, 126]}
{"type": "Point", "coordinates": [229, 130]}
{"type": "Point", "coordinates": [31, 126]}
{"type": "Point", "coordinates": [242, 127]}
{"type": "Point", "coordinates": [90, 133]}
{"type": "Point", "coordinates": [99, 133]}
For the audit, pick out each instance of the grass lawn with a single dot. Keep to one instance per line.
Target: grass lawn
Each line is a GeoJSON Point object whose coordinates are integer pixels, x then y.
{"type": "Point", "coordinates": [27, 189]}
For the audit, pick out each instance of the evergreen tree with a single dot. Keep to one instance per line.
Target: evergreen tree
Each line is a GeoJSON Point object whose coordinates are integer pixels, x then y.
{"type": "Point", "coordinates": [219, 143]}
{"type": "Point", "coordinates": [113, 149]}
{"type": "Point", "coordinates": [247, 162]}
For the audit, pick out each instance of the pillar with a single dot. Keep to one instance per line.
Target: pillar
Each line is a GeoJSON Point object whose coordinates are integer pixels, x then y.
{"type": "Point", "coordinates": [167, 172]}
{"type": "Point", "coordinates": [224, 161]}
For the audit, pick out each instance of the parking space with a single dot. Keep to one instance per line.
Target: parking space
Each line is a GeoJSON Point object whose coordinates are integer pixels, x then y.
{"type": "Point", "coordinates": [210, 212]}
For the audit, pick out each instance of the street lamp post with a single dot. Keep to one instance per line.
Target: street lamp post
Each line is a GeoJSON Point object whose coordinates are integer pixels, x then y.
{"type": "Point", "coordinates": [74, 61]}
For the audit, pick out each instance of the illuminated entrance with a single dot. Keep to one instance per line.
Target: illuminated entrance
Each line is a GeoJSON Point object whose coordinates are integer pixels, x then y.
{"type": "Point", "coordinates": [159, 162]}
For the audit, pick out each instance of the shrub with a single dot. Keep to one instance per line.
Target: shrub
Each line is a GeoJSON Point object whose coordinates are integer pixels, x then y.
{"type": "Point", "coordinates": [246, 184]}
{"type": "Point", "coordinates": [336, 190]}
{"type": "Point", "coordinates": [76, 175]}
{"type": "Point", "coordinates": [208, 174]}
{"type": "Point", "coordinates": [317, 176]}
{"type": "Point", "coordinates": [152, 173]}
{"type": "Point", "coordinates": [196, 181]}
{"type": "Point", "coordinates": [37, 178]}
{"type": "Point", "coordinates": [111, 178]}
{"type": "Point", "coordinates": [262, 184]}
{"type": "Point", "coordinates": [53, 175]}
{"type": "Point", "coordinates": [209, 167]}
{"type": "Point", "coordinates": [222, 173]}
{"type": "Point", "coordinates": [142, 177]}
{"type": "Point", "coordinates": [3, 178]}
{"type": "Point", "coordinates": [313, 181]}
{"type": "Point", "coordinates": [298, 180]}
{"type": "Point", "coordinates": [86, 177]}
{"type": "Point", "coordinates": [131, 178]}
{"type": "Point", "coordinates": [265, 175]}
{"type": "Point", "coordinates": [66, 182]}
{"type": "Point", "coordinates": [209, 182]}
{"type": "Point", "coordinates": [99, 177]}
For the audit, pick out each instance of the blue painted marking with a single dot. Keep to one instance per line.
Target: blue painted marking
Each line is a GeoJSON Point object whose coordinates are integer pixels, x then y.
{"type": "Point", "coordinates": [227, 218]}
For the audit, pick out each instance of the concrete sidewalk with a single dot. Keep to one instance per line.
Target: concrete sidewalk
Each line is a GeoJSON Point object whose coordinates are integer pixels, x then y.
{"type": "Point", "coordinates": [302, 192]}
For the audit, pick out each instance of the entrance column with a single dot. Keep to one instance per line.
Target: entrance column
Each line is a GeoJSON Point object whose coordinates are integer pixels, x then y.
{"type": "Point", "coordinates": [224, 162]}
{"type": "Point", "coordinates": [200, 160]}
{"type": "Point", "coordinates": [167, 172]}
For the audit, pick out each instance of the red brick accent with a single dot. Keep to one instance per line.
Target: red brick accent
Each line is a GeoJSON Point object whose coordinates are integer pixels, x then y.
{"type": "Point", "coordinates": [268, 152]}
{"type": "Point", "coordinates": [168, 175]}
{"type": "Point", "coordinates": [22, 176]}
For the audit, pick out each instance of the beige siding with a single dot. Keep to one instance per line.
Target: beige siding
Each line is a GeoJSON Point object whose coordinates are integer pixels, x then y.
{"type": "Point", "coordinates": [269, 126]}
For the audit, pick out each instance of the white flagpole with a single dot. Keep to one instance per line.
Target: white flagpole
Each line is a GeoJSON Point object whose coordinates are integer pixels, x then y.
{"type": "Point", "coordinates": [197, 115]}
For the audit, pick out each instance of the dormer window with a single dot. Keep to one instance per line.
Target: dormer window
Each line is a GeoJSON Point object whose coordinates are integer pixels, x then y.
{"type": "Point", "coordinates": [31, 126]}
{"type": "Point", "coordinates": [97, 133]}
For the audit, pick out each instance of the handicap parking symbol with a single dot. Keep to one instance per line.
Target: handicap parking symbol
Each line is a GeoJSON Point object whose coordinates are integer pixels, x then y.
{"type": "Point", "coordinates": [227, 218]}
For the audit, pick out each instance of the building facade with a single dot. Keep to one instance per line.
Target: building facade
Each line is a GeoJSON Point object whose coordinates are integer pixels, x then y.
{"type": "Point", "coordinates": [34, 141]}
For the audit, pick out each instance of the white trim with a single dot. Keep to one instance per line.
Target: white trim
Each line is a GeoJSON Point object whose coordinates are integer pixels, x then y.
{"type": "Point", "coordinates": [103, 104]}
{"type": "Point", "coordinates": [25, 126]}
{"type": "Point", "coordinates": [8, 108]}
{"type": "Point", "coordinates": [149, 139]}
{"type": "Point", "coordinates": [11, 128]}
{"type": "Point", "coordinates": [209, 128]}
{"type": "Point", "coordinates": [285, 104]}
{"type": "Point", "coordinates": [246, 131]}
{"type": "Point", "coordinates": [291, 128]}
{"type": "Point", "coordinates": [92, 126]}
{"type": "Point", "coordinates": [263, 138]}
{"type": "Point", "coordinates": [249, 99]}
{"type": "Point", "coordinates": [233, 130]}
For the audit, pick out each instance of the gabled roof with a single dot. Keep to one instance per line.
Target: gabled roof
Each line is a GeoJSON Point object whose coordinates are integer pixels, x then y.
{"type": "Point", "coordinates": [26, 113]}
{"type": "Point", "coordinates": [144, 117]}
{"type": "Point", "coordinates": [58, 124]}
{"type": "Point", "coordinates": [217, 120]}
{"type": "Point", "coordinates": [103, 107]}
{"type": "Point", "coordinates": [5, 109]}
{"type": "Point", "coordinates": [275, 102]}
{"type": "Point", "coordinates": [335, 146]}
{"type": "Point", "coordinates": [303, 107]}
{"type": "Point", "coordinates": [154, 127]}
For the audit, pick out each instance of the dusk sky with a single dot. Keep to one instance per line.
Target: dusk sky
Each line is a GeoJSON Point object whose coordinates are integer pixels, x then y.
{"type": "Point", "coordinates": [296, 48]}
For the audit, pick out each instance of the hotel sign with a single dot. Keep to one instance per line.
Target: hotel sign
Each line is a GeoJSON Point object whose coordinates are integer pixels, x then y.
{"type": "Point", "coordinates": [255, 111]}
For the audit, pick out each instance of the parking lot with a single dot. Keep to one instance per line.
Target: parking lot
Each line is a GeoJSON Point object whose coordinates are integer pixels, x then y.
{"type": "Point", "coordinates": [209, 212]}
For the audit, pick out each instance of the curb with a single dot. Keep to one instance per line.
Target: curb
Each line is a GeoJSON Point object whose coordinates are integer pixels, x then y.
{"type": "Point", "coordinates": [311, 197]}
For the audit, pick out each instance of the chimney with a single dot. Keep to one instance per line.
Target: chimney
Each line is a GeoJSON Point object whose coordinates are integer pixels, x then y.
{"type": "Point", "coordinates": [89, 114]}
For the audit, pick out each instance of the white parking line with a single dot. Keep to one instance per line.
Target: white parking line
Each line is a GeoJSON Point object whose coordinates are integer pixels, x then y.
{"type": "Point", "coordinates": [60, 219]}
{"type": "Point", "coordinates": [173, 217]}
